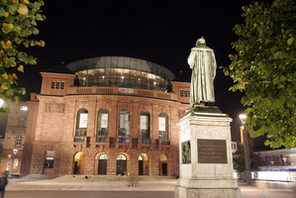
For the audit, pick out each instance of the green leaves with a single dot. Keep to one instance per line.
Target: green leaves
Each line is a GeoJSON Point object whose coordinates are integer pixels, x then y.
{"type": "Point", "coordinates": [290, 41]}
{"type": "Point", "coordinates": [18, 22]}
{"type": "Point", "coordinates": [264, 68]}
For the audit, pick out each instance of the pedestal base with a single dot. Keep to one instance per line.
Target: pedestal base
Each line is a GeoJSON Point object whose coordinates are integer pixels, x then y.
{"type": "Point", "coordinates": [185, 192]}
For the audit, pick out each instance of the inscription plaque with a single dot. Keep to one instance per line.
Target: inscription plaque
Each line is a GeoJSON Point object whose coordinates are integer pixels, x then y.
{"type": "Point", "coordinates": [212, 151]}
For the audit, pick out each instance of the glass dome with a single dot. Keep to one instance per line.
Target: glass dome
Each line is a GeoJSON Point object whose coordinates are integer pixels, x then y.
{"type": "Point", "coordinates": [122, 72]}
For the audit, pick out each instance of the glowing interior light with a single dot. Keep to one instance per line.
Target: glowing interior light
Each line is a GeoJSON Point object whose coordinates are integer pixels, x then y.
{"type": "Point", "coordinates": [1, 102]}
{"type": "Point", "coordinates": [122, 77]}
{"type": "Point", "coordinates": [24, 108]}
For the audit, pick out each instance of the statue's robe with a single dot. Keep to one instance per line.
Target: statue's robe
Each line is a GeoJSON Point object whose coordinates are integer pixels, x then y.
{"type": "Point", "coordinates": [203, 64]}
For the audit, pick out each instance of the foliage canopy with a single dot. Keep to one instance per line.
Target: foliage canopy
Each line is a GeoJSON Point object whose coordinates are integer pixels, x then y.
{"type": "Point", "coordinates": [239, 160]}
{"type": "Point", "coordinates": [264, 68]}
{"type": "Point", "coordinates": [18, 22]}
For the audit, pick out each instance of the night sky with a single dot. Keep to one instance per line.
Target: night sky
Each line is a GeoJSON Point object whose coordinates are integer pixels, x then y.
{"type": "Point", "coordinates": [162, 32]}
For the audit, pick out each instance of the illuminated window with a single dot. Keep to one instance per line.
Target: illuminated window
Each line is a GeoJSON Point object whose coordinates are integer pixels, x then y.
{"type": "Point", "coordinates": [124, 126]}
{"type": "Point", "coordinates": [163, 128]}
{"type": "Point", "coordinates": [18, 141]}
{"type": "Point", "coordinates": [49, 162]}
{"type": "Point", "coordinates": [145, 127]}
{"type": "Point", "coordinates": [81, 125]}
{"type": "Point", "coordinates": [24, 108]}
{"type": "Point", "coordinates": [103, 125]}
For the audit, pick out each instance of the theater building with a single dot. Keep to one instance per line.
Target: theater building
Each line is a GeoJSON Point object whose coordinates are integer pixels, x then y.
{"type": "Point", "coordinates": [99, 116]}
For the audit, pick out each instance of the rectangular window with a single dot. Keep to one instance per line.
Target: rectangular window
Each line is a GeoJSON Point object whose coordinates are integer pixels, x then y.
{"type": "Point", "coordinates": [188, 93]}
{"type": "Point", "coordinates": [18, 140]}
{"type": "Point", "coordinates": [62, 85]}
{"type": "Point", "coordinates": [83, 120]}
{"type": "Point", "coordinates": [185, 93]}
{"type": "Point", "coordinates": [21, 122]}
{"type": "Point", "coordinates": [58, 85]}
{"type": "Point", "coordinates": [181, 92]}
{"type": "Point", "coordinates": [24, 108]}
{"type": "Point", "coordinates": [49, 161]}
{"type": "Point", "coordinates": [52, 84]}
{"type": "Point", "coordinates": [161, 124]}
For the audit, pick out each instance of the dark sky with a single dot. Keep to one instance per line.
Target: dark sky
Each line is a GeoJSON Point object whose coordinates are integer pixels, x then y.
{"type": "Point", "coordinates": [162, 32]}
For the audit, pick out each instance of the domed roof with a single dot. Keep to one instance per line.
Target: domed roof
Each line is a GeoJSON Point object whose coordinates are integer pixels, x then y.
{"type": "Point", "coordinates": [121, 62]}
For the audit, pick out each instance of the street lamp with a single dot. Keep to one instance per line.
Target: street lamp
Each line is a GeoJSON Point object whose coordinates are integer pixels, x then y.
{"type": "Point", "coordinates": [243, 117]}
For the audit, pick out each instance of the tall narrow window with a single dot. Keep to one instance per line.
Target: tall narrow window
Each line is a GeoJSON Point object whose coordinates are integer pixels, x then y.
{"type": "Point", "coordinates": [103, 125]}
{"type": "Point", "coordinates": [145, 127]}
{"type": "Point", "coordinates": [124, 126]}
{"type": "Point", "coordinates": [181, 92]}
{"type": "Point", "coordinates": [58, 85]}
{"type": "Point", "coordinates": [52, 85]}
{"type": "Point", "coordinates": [21, 122]}
{"type": "Point", "coordinates": [81, 125]}
{"type": "Point", "coordinates": [62, 85]}
{"type": "Point", "coordinates": [163, 128]}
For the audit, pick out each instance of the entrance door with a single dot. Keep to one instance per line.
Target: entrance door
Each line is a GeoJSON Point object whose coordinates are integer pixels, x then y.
{"type": "Point", "coordinates": [78, 163]}
{"type": "Point", "coordinates": [164, 167]}
{"type": "Point", "coordinates": [102, 167]}
{"type": "Point", "coordinates": [141, 167]}
{"type": "Point", "coordinates": [121, 165]}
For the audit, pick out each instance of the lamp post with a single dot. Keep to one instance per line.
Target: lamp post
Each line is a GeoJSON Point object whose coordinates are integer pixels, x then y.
{"type": "Point", "coordinates": [243, 117]}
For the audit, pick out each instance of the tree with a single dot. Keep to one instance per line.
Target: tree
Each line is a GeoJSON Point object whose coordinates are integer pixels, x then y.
{"type": "Point", "coordinates": [239, 160]}
{"type": "Point", "coordinates": [18, 23]}
{"type": "Point", "coordinates": [264, 68]}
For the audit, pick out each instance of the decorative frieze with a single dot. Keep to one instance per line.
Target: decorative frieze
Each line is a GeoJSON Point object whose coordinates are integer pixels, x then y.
{"type": "Point", "coordinates": [55, 107]}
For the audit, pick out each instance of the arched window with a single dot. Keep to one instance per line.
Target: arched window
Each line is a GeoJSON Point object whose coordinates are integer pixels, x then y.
{"type": "Point", "coordinates": [163, 128]}
{"type": "Point", "coordinates": [103, 125]}
{"type": "Point", "coordinates": [145, 127]}
{"type": "Point", "coordinates": [124, 126]}
{"type": "Point", "coordinates": [81, 125]}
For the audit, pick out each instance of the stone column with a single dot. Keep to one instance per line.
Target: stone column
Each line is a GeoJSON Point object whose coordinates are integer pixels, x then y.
{"type": "Point", "coordinates": [206, 168]}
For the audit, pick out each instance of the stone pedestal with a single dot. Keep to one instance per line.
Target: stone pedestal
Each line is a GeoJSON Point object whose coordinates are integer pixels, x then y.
{"type": "Point", "coordinates": [206, 169]}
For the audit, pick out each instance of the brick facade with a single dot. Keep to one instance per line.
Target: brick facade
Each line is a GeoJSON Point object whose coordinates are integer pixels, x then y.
{"type": "Point", "coordinates": [51, 121]}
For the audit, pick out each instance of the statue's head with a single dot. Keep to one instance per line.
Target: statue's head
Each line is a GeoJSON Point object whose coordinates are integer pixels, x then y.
{"type": "Point", "coordinates": [201, 41]}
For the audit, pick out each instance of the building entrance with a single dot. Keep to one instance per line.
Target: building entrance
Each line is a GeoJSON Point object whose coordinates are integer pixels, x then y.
{"type": "Point", "coordinates": [140, 160]}
{"type": "Point", "coordinates": [78, 163]}
{"type": "Point", "coordinates": [121, 165]}
{"type": "Point", "coordinates": [163, 165]}
{"type": "Point", "coordinates": [102, 168]}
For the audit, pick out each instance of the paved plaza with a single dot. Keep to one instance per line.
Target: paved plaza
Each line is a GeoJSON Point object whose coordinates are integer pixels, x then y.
{"type": "Point", "coordinates": [121, 186]}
